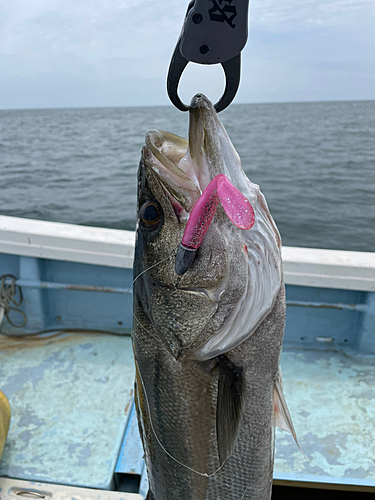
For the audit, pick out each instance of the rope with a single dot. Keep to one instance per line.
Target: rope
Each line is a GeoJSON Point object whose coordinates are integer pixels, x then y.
{"type": "Point", "coordinates": [60, 331]}
{"type": "Point", "coordinates": [8, 292]}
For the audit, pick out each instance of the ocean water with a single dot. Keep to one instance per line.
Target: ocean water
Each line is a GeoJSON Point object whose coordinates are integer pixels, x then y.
{"type": "Point", "coordinates": [315, 163]}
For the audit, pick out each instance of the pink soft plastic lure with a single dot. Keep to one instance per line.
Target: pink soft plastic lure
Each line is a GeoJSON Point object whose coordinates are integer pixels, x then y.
{"type": "Point", "coordinates": [236, 206]}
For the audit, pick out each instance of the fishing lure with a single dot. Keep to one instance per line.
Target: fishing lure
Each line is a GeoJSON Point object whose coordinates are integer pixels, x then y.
{"type": "Point", "coordinates": [236, 206]}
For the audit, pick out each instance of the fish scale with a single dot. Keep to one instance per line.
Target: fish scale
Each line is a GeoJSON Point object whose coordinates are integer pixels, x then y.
{"type": "Point", "coordinates": [251, 465]}
{"type": "Point", "coordinates": [187, 438]}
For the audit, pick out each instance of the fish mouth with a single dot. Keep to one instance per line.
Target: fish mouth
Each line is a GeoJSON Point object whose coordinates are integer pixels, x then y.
{"type": "Point", "coordinates": [185, 168]}
{"type": "Point", "coordinates": [164, 153]}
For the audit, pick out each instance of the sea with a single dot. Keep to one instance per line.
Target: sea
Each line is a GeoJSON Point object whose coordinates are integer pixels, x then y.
{"type": "Point", "coordinates": [315, 163]}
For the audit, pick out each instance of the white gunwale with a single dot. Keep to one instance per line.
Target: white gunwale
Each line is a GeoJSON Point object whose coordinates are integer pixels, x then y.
{"type": "Point", "coordinates": [112, 247]}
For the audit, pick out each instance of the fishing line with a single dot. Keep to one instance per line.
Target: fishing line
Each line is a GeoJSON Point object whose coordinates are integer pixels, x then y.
{"type": "Point", "coordinates": [244, 493]}
{"type": "Point", "coordinates": [203, 474]}
{"type": "Point", "coordinates": [173, 253]}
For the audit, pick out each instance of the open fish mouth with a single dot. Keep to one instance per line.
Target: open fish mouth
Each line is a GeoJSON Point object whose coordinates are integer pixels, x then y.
{"type": "Point", "coordinates": [165, 153]}
{"type": "Point", "coordinates": [185, 168]}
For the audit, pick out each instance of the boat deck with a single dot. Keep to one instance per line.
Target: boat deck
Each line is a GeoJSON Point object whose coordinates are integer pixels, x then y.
{"type": "Point", "coordinates": [71, 396]}
{"type": "Point", "coordinates": [331, 397]}
{"type": "Point", "coordinates": [73, 421]}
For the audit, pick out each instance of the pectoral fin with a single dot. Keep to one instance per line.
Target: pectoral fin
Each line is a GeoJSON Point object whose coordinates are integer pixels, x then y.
{"type": "Point", "coordinates": [281, 416]}
{"type": "Point", "coordinates": [229, 405]}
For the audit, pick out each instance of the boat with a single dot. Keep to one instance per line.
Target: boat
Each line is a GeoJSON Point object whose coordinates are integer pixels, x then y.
{"type": "Point", "coordinates": [66, 365]}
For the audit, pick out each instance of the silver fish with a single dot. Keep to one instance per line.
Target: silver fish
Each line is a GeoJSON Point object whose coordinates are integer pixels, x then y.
{"type": "Point", "coordinates": [207, 344]}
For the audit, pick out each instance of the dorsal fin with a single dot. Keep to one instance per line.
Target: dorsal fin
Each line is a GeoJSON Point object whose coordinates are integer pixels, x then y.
{"type": "Point", "coordinates": [229, 406]}
{"type": "Point", "coordinates": [281, 416]}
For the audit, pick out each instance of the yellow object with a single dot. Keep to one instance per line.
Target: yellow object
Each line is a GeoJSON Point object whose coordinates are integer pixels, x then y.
{"type": "Point", "coordinates": [4, 420]}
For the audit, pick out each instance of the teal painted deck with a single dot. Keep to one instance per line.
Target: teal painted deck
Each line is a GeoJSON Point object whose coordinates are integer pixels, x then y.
{"type": "Point", "coordinates": [331, 397]}
{"type": "Point", "coordinates": [70, 398]}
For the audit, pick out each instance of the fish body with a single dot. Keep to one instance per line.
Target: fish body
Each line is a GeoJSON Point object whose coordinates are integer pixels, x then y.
{"type": "Point", "coordinates": [207, 344]}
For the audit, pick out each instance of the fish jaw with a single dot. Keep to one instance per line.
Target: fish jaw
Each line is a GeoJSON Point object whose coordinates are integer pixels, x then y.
{"type": "Point", "coordinates": [163, 153]}
{"type": "Point", "coordinates": [211, 152]}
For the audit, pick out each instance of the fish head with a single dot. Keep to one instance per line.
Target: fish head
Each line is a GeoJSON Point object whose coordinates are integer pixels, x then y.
{"type": "Point", "coordinates": [188, 312]}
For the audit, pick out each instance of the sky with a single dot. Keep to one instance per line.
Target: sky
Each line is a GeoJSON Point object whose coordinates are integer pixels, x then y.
{"type": "Point", "coordinates": [80, 53]}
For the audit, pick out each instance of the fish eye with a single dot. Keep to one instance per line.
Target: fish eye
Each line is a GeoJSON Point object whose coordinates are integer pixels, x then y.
{"type": "Point", "coordinates": [150, 213]}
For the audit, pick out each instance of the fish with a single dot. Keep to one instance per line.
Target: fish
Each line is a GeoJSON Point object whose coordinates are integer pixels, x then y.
{"type": "Point", "coordinates": [207, 340]}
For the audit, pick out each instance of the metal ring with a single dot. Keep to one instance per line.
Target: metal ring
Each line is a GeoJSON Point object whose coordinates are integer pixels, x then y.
{"type": "Point", "coordinates": [232, 71]}
{"type": "Point", "coordinates": [176, 68]}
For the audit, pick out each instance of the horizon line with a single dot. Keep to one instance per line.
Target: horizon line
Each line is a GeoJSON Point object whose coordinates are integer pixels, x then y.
{"type": "Point", "coordinates": [169, 105]}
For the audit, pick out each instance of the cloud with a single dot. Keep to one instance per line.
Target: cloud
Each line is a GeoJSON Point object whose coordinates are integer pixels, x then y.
{"type": "Point", "coordinates": [116, 52]}
{"type": "Point", "coordinates": [299, 15]}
